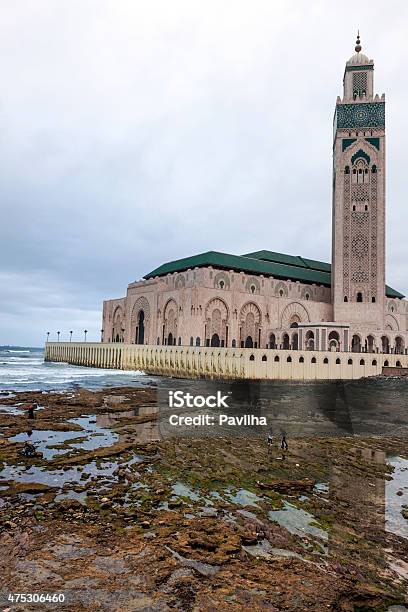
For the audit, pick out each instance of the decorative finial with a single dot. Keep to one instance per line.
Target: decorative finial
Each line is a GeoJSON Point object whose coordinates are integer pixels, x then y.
{"type": "Point", "coordinates": [358, 45]}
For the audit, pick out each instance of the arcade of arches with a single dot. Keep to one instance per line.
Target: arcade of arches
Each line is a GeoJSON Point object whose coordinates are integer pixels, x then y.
{"type": "Point", "coordinates": [216, 331]}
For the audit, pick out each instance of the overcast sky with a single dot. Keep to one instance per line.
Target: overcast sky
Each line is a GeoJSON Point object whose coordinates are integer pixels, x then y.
{"type": "Point", "coordinates": [133, 133]}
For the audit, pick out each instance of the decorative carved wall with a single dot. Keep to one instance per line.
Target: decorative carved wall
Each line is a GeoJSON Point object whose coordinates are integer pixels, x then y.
{"type": "Point", "coordinates": [360, 231]}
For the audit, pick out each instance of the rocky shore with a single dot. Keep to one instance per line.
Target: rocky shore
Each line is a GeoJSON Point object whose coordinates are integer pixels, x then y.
{"type": "Point", "coordinates": [116, 518]}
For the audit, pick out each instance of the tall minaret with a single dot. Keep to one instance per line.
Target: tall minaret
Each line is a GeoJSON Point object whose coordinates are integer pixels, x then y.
{"type": "Point", "coordinates": [358, 241]}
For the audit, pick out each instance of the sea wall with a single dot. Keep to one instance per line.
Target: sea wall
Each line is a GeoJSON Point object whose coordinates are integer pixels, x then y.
{"type": "Point", "coordinates": [224, 363]}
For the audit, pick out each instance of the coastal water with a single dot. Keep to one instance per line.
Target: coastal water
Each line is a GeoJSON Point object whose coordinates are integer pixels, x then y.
{"type": "Point", "coordinates": [364, 407]}
{"type": "Point", "coordinates": [24, 369]}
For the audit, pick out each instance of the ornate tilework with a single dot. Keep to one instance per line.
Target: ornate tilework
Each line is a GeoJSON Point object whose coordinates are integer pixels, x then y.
{"type": "Point", "coordinates": [359, 68]}
{"type": "Point", "coordinates": [367, 114]}
{"type": "Point", "coordinates": [358, 154]}
{"type": "Point", "coordinates": [375, 142]}
{"type": "Point", "coordinates": [346, 142]}
{"type": "Point", "coordinates": [374, 234]}
{"type": "Point", "coordinates": [346, 235]}
{"type": "Point", "coordinates": [360, 83]}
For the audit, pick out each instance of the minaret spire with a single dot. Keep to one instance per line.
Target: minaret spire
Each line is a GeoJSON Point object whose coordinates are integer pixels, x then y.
{"type": "Point", "coordinates": [358, 45]}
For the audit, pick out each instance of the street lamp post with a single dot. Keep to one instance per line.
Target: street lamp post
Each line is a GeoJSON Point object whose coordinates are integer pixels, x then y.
{"type": "Point", "coordinates": [48, 336]}
{"type": "Point", "coordinates": [85, 332]}
{"type": "Point", "coordinates": [58, 334]}
{"type": "Point", "coordinates": [70, 336]}
{"type": "Point", "coordinates": [101, 335]}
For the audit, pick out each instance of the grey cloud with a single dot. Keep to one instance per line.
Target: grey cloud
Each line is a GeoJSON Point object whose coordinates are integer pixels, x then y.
{"type": "Point", "coordinates": [134, 133]}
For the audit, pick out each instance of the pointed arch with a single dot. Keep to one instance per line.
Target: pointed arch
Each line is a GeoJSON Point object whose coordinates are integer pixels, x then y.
{"type": "Point", "coordinates": [118, 324]}
{"type": "Point", "coordinates": [216, 322]}
{"type": "Point", "coordinates": [391, 322]}
{"type": "Point", "coordinates": [294, 313]}
{"type": "Point", "coordinates": [250, 319]}
{"type": "Point", "coordinates": [139, 321]}
{"type": "Point", "coordinates": [170, 322]}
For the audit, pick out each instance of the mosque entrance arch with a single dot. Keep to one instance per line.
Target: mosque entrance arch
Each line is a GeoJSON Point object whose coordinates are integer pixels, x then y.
{"type": "Point", "coordinates": [170, 339]}
{"type": "Point", "coordinates": [140, 328]}
{"type": "Point", "coordinates": [215, 340]}
{"type": "Point", "coordinates": [249, 343]}
{"type": "Point", "coordinates": [139, 321]}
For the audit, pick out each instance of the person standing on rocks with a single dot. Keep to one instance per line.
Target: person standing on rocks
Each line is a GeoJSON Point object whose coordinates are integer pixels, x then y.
{"type": "Point", "coordinates": [270, 440]}
{"type": "Point", "coordinates": [31, 409]}
{"type": "Point", "coordinates": [284, 444]}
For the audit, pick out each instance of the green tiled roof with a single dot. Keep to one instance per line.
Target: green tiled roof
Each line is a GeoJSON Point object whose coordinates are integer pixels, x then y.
{"type": "Point", "coordinates": [291, 260]}
{"type": "Point", "coordinates": [267, 263]}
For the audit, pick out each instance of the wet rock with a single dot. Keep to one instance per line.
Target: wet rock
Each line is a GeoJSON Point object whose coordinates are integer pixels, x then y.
{"type": "Point", "coordinates": [249, 538]}
{"type": "Point", "coordinates": [204, 569]}
{"type": "Point", "coordinates": [10, 525]}
{"type": "Point", "coordinates": [288, 486]}
{"type": "Point", "coordinates": [175, 503]}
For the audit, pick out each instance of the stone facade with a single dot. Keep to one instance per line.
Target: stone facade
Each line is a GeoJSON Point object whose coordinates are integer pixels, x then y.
{"type": "Point", "coordinates": [213, 305]}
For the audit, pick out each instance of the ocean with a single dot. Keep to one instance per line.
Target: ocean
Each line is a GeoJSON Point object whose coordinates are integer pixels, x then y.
{"type": "Point", "coordinates": [366, 406]}
{"type": "Point", "coordinates": [24, 369]}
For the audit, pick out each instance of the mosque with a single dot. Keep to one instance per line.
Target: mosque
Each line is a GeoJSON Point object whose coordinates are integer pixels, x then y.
{"type": "Point", "coordinates": [272, 300]}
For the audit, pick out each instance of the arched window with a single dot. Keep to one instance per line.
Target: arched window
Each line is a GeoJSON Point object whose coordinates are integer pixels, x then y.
{"type": "Point", "coordinates": [398, 364]}
{"type": "Point", "coordinates": [356, 344]}
{"type": "Point", "coordinates": [289, 359]}
{"type": "Point", "coordinates": [338, 362]}
{"type": "Point", "coordinates": [385, 344]}
{"type": "Point", "coordinates": [350, 362]}
{"type": "Point", "coordinates": [191, 341]}
{"type": "Point", "coordinates": [374, 362]}
{"type": "Point", "coordinates": [221, 284]}
{"type": "Point", "coordinates": [359, 297]}
{"type": "Point", "coordinates": [301, 360]}
{"type": "Point", "coordinates": [347, 170]}
{"type": "Point", "coordinates": [179, 341]}
{"type": "Point", "coordinates": [345, 298]}
{"type": "Point", "coordinates": [325, 360]}
{"type": "Point", "coordinates": [374, 169]}
{"type": "Point", "coordinates": [362, 362]}
{"type": "Point", "coordinates": [264, 358]}
{"type": "Point", "coordinates": [252, 358]}
{"type": "Point", "coordinates": [215, 340]}
{"type": "Point", "coordinates": [234, 344]}
{"type": "Point", "coordinates": [313, 360]}
{"type": "Point", "coordinates": [370, 344]}
{"type": "Point", "coordinates": [139, 338]}
{"type": "Point", "coordinates": [197, 341]}
{"type": "Point", "coordinates": [276, 358]}
{"type": "Point", "coordinates": [373, 299]}
{"type": "Point", "coordinates": [386, 363]}
{"type": "Point", "coordinates": [399, 345]}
